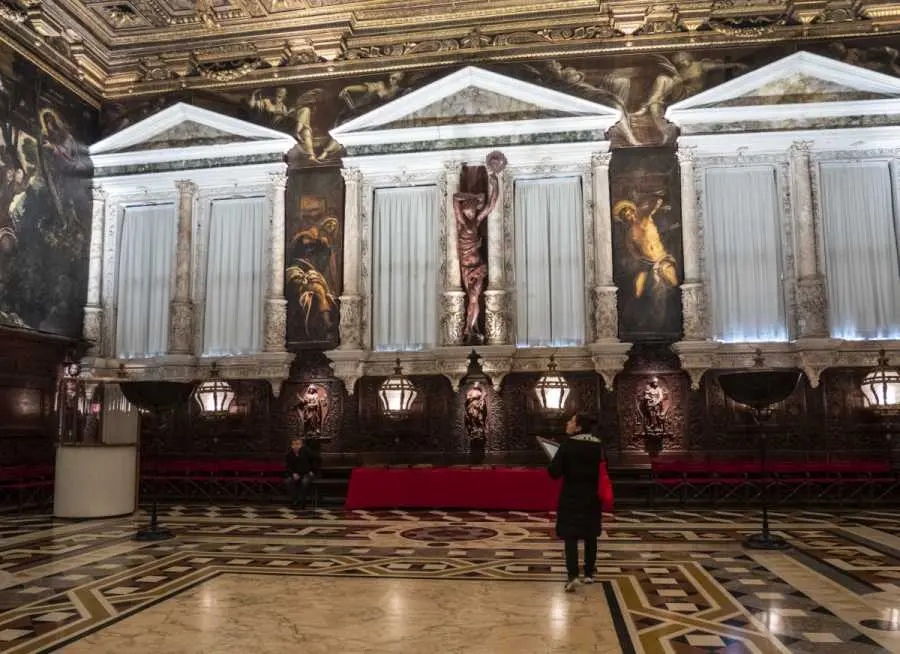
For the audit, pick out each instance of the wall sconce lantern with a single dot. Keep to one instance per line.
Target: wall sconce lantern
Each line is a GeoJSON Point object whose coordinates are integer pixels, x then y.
{"type": "Point", "coordinates": [552, 390]}
{"type": "Point", "coordinates": [881, 388]}
{"type": "Point", "coordinates": [397, 394]}
{"type": "Point", "coordinates": [214, 396]}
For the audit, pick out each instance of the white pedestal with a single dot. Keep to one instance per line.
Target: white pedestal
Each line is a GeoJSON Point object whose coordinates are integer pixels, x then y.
{"type": "Point", "coordinates": [95, 481]}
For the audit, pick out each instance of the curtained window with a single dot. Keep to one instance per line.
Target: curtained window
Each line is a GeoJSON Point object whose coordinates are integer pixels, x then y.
{"type": "Point", "coordinates": [405, 266]}
{"type": "Point", "coordinates": [145, 275]}
{"type": "Point", "coordinates": [549, 262]}
{"type": "Point", "coordinates": [235, 277]}
{"type": "Point", "coordinates": [743, 255]}
{"type": "Point", "coordinates": [862, 268]}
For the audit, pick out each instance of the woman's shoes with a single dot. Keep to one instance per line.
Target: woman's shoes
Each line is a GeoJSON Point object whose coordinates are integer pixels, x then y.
{"type": "Point", "coordinates": [571, 585]}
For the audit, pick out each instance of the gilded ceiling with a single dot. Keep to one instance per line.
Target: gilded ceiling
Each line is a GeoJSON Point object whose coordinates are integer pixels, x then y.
{"type": "Point", "coordinates": [119, 48]}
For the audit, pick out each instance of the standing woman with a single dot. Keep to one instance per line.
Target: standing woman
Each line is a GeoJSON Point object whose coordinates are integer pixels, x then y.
{"type": "Point", "coordinates": [579, 514]}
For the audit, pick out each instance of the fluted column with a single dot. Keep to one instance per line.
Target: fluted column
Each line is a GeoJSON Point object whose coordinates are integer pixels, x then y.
{"type": "Point", "coordinates": [453, 300]}
{"type": "Point", "coordinates": [496, 309]}
{"type": "Point", "coordinates": [181, 313]}
{"type": "Point", "coordinates": [693, 291]}
{"type": "Point", "coordinates": [276, 304]}
{"type": "Point", "coordinates": [811, 309]}
{"type": "Point", "coordinates": [93, 310]}
{"type": "Point", "coordinates": [351, 301]}
{"type": "Point", "coordinates": [605, 308]}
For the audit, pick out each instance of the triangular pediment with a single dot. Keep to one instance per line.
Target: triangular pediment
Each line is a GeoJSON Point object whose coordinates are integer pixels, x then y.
{"type": "Point", "coordinates": [184, 126]}
{"type": "Point", "coordinates": [801, 85]}
{"type": "Point", "coordinates": [474, 103]}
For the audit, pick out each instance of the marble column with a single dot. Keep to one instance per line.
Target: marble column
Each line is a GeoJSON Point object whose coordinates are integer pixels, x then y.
{"type": "Point", "coordinates": [496, 297]}
{"type": "Point", "coordinates": [276, 304]}
{"type": "Point", "coordinates": [93, 310]}
{"type": "Point", "coordinates": [181, 313]}
{"type": "Point", "coordinates": [351, 300]}
{"type": "Point", "coordinates": [604, 293]}
{"type": "Point", "coordinates": [693, 291]}
{"type": "Point", "coordinates": [811, 298]}
{"type": "Point", "coordinates": [453, 300]}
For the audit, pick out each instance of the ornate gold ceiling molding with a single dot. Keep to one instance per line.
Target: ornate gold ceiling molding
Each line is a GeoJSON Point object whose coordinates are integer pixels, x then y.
{"type": "Point", "coordinates": [151, 46]}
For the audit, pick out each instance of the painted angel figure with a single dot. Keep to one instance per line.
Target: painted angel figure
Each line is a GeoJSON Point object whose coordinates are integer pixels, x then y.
{"type": "Point", "coordinates": [679, 78]}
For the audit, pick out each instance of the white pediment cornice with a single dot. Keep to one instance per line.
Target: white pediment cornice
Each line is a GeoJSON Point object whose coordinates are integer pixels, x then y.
{"type": "Point", "coordinates": [473, 103]}
{"type": "Point", "coordinates": [185, 132]}
{"type": "Point", "coordinates": [800, 87]}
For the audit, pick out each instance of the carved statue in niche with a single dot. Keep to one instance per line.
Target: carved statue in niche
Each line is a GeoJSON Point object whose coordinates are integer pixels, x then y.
{"type": "Point", "coordinates": [70, 401]}
{"type": "Point", "coordinates": [476, 421]}
{"type": "Point", "coordinates": [653, 408]}
{"type": "Point", "coordinates": [312, 409]}
{"type": "Point", "coordinates": [472, 204]}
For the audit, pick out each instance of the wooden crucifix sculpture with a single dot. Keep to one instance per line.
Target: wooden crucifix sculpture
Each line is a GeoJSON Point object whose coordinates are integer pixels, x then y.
{"type": "Point", "coordinates": [479, 189]}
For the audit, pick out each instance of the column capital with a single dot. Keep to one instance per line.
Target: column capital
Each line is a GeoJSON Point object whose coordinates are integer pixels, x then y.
{"type": "Point", "coordinates": [352, 175]}
{"type": "Point", "coordinates": [687, 155]}
{"type": "Point", "coordinates": [452, 166]}
{"type": "Point", "coordinates": [601, 159]}
{"type": "Point", "coordinates": [801, 148]}
{"type": "Point", "coordinates": [185, 186]}
{"type": "Point", "coordinates": [278, 180]}
{"type": "Point", "coordinates": [98, 193]}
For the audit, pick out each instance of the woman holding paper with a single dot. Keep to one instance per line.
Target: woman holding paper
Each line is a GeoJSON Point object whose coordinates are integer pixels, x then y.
{"type": "Point", "coordinates": [579, 511]}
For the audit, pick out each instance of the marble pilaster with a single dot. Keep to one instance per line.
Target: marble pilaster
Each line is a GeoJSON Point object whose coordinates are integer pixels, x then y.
{"type": "Point", "coordinates": [693, 290]}
{"type": "Point", "coordinates": [276, 304]}
{"type": "Point", "coordinates": [453, 300]}
{"type": "Point", "coordinates": [181, 313]}
{"type": "Point", "coordinates": [604, 293]}
{"type": "Point", "coordinates": [812, 319]}
{"type": "Point", "coordinates": [93, 310]}
{"type": "Point", "coordinates": [351, 300]}
{"type": "Point", "coordinates": [495, 298]}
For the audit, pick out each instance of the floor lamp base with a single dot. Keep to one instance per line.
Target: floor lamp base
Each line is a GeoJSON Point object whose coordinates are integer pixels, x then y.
{"type": "Point", "coordinates": [153, 533]}
{"type": "Point", "coordinates": [766, 542]}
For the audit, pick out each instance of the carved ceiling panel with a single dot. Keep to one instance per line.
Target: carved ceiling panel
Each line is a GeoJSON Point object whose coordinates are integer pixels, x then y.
{"type": "Point", "coordinates": [115, 48]}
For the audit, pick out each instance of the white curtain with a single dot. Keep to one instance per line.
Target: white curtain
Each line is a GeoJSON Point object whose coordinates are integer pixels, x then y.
{"type": "Point", "coordinates": [861, 250]}
{"type": "Point", "coordinates": [145, 275]}
{"type": "Point", "coordinates": [743, 254]}
{"type": "Point", "coordinates": [405, 266]}
{"type": "Point", "coordinates": [235, 277]}
{"type": "Point", "coordinates": [549, 262]}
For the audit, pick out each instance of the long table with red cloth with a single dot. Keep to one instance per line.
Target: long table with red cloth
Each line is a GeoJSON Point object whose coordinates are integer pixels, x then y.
{"type": "Point", "coordinates": [511, 489]}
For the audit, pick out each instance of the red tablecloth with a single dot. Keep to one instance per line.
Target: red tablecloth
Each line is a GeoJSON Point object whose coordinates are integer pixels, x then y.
{"type": "Point", "coordinates": [512, 489]}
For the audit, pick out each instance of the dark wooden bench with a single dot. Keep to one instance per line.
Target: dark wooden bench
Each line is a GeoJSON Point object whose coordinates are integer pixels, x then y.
{"type": "Point", "coordinates": [24, 485]}
{"type": "Point", "coordinates": [251, 479]}
{"type": "Point", "coordinates": [806, 482]}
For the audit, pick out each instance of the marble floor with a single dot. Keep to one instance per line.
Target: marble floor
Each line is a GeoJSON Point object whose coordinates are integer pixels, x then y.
{"type": "Point", "coordinates": [262, 579]}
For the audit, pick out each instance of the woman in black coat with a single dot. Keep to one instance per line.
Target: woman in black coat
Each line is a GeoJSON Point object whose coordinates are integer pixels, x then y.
{"type": "Point", "coordinates": [579, 514]}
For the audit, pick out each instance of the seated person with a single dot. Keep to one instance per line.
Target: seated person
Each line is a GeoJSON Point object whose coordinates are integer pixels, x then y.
{"type": "Point", "coordinates": [302, 464]}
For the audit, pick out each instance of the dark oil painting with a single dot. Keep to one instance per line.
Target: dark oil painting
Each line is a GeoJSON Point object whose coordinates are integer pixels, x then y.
{"type": "Point", "coordinates": [45, 200]}
{"type": "Point", "coordinates": [647, 252]}
{"type": "Point", "coordinates": [314, 257]}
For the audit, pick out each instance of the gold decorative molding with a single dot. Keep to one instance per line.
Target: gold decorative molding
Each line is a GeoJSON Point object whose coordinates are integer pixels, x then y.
{"type": "Point", "coordinates": [144, 47]}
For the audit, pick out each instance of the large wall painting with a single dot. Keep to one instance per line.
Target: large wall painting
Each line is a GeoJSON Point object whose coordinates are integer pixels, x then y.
{"type": "Point", "coordinates": [647, 264]}
{"type": "Point", "coordinates": [45, 200]}
{"type": "Point", "coordinates": [314, 257]}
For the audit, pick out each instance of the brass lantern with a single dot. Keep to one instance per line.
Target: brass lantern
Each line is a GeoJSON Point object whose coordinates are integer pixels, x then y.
{"type": "Point", "coordinates": [881, 388]}
{"type": "Point", "coordinates": [214, 396]}
{"type": "Point", "coordinates": [397, 394]}
{"type": "Point", "coordinates": [552, 390]}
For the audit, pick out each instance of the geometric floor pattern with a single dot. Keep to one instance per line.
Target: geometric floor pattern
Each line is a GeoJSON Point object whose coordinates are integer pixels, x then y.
{"type": "Point", "coordinates": [668, 581]}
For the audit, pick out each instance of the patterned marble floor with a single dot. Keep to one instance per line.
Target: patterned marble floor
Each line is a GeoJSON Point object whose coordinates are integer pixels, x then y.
{"type": "Point", "coordinates": [269, 579]}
